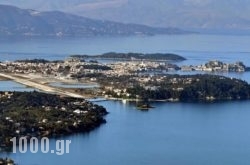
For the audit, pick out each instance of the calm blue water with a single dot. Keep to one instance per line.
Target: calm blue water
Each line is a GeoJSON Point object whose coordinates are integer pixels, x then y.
{"type": "Point", "coordinates": [13, 86]}
{"type": "Point", "coordinates": [172, 133]}
{"type": "Point", "coordinates": [196, 48]}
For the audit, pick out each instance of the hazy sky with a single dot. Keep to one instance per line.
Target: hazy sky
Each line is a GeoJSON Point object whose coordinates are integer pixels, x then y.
{"type": "Point", "coordinates": [201, 14]}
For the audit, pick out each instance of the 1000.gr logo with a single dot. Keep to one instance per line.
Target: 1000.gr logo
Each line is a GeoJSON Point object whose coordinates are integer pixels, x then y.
{"type": "Point", "coordinates": [62, 146]}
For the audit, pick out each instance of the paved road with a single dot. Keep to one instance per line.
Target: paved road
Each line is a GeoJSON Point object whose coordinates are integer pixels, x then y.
{"type": "Point", "coordinates": [41, 87]}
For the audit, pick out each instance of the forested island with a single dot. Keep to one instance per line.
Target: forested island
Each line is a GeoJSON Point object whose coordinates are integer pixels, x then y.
{"type": "Point", "coordinates": [133, 56]}
{"type": "Point", "coordinates": [35, 114]}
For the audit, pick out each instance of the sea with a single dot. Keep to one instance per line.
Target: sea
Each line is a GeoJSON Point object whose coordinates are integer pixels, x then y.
{"type": "Point", "coordinates": [216, 133]}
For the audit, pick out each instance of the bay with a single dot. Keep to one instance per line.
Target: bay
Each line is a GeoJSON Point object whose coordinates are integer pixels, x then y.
{"type": "Point", "coordinates": [172, 133]}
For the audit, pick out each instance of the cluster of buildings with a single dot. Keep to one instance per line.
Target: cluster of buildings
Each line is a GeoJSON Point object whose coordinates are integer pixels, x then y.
{"type": "Point", "coordinates": [58, 69]}
{"type": "Point", "coordinates": [217, 66]}
{"type": "Point", "coordinates": [29, 67]}
{"type": "Point", "coordinates": [152, 83]}
{"type": "Point", "coordinates": [131, 67]}
{"type": "Point", "coordinates": [5, 94]}
{"type": "Point", "coordinates": [74, 66]}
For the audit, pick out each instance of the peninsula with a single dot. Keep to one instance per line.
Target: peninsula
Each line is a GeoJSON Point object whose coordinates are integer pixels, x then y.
{"type": "Point", "coordinates": [35, 114]}
{"type": "Point", "coordinates": [175, 88]}
{"type": "Point", "coordinates": [62, 110]}
{"type": "Point", "coordinates": [132, 80]}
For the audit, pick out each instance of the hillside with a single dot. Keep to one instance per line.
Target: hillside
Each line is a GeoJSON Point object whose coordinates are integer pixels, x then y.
{"type": "Point", "coordinates": [203, 15]}
{"type": "Point", "coordinates": [19, 22]}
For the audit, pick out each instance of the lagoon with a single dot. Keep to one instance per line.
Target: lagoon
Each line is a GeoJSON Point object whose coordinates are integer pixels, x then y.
{"type": "Point", "coordinates": [172, 133]}
{"type": "Point", "coordinates": [13, 86]}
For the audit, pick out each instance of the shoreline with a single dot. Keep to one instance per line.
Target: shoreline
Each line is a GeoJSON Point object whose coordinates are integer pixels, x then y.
{"type": "Point", "coordinates": [71, 91]}
{"type": "Point", "coordinates": [135, 100]}
{"type": "Point", "coordinates": [176, 100]}
{"type": "Point", "coordinates": [3, 79]}
{"type": "Point", "coordinates": [73, 115]}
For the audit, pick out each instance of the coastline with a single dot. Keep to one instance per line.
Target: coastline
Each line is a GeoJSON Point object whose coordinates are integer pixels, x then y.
{"type": "Point", "coordinates": [136, 100]}
{"type": "Point", "coordinates": [171, 100]}
{"type": "Point", "coordinates": [37, 82]}
{"type": "Point", "coordinates": [61, 115]}
{"type": "Point", "coordinates": [3, 79]}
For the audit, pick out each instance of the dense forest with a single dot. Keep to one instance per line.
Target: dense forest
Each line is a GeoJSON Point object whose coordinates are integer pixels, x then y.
{"type": "Point", "coordinates": [40, 114]}
{"type": "Point", "coordinates": [135, 56]}
{"type": "Point", "coordinates": [187, 88]}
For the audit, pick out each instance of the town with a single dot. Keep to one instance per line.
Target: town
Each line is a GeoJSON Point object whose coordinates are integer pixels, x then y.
{"type": "Point", "coordinates": [53, 111]}
{"type": "Point", "coordinates": [130, 79]}
{"type": "Point", "coordinates": [217, 66]}
{"type": "Point", "coordinates": [73, 65]}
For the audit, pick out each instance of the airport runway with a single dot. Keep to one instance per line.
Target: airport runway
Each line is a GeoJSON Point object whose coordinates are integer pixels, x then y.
{"type": "Point", "coordinates": [42, 87]}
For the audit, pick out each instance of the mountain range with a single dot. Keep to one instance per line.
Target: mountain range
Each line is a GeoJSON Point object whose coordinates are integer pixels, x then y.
{"type": "Point", "coordinates": [27, 22]}
{"type": "Point", "coordinates": [203, 15]}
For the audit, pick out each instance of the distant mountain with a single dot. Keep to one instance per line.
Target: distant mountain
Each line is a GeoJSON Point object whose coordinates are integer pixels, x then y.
{"type": "Point", "coordinates": [203, 15]}
{"type": "Point", "coordinates": [19, 22]}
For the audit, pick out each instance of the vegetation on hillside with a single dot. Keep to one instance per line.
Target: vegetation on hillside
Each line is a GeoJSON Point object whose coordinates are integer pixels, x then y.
{"type": "Point", "coordinates": [180, 87]}
{"type": "Point", "coordinates": [39, 114]}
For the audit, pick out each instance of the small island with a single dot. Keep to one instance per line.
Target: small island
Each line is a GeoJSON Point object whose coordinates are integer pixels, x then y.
{"type": "Point", "coordinates": [35, 114]}
{"type": "Point", "coordinates": [143, 106]}
{"type": "Point", "coordinates": [133, 56]}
